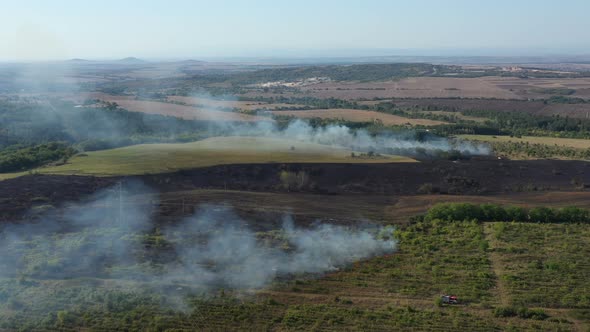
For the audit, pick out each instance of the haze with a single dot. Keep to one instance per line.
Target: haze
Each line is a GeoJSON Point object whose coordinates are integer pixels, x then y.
{"type": "Point", "coordinates": [43, 30]}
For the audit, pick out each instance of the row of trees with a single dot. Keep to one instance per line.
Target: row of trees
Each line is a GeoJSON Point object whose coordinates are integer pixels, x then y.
{"type": "Point", "coordinates": [494, 212]}
{"type": "Point", "coordinates": [15, 159]}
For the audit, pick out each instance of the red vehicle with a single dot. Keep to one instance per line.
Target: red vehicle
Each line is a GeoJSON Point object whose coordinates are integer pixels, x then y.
{"type": "Point", "coordinates": [449, 299]}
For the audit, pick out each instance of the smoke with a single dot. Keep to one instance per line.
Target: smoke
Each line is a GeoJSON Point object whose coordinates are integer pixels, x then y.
{"type": "Point", "coordinates": [114, 236]}
{"type": "Point", "coordinates": [231, 255]}
{"type": "Point", "coordinates": [405, 143]}
{"type": "Point", "coordinates": [94, 129]}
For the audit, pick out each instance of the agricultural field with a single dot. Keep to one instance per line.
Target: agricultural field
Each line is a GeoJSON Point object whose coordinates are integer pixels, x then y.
{"type": "Point", "coordinates": [536, 147]}
{"type": "Point", "coordinates": [534, 107]}
{"type": "Point", "coordinates": [210, 103]}
{"type": "Point", "coordinates": [566, 142]}
{"type": "Point", "coordinates": [395, 291]}
{"type": "Point", "coordinates": [489, 87]}
{"type": "Point", "coordinates": [354, 115]}
{"type": "Point", "coordinates": [536, 264]}
{"type": "Point", "coordinates": [415, 87]}
{"type": "Point", "coordinates": [209, 111]}
{"type": "Point", "coordinates": [159, 158]}
{"type": "Point", "coordinates": [273, 231]}
{"type": "Point", "coordinates": [543, 87]}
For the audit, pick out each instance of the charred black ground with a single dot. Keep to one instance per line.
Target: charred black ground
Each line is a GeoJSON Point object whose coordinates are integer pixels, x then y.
{"type": "Point", "coordinates": [474, 177]}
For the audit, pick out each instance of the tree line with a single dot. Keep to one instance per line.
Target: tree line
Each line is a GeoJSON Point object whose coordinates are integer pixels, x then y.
{"type": "Point", "coordinates": [17, 159]}
{"type": "Point", "coordinates": [495, 212]}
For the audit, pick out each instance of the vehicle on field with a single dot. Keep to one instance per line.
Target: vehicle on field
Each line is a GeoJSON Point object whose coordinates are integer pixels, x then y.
{"type": "Point", "coordinates": [449, 299]}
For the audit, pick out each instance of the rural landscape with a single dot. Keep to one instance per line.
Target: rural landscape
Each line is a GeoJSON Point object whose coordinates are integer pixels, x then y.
{"type": "Point", "coordinates": [342, 193]}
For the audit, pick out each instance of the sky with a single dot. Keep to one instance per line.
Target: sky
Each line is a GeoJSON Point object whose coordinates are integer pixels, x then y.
{"type": "Point", "coordinates": [175, 29]}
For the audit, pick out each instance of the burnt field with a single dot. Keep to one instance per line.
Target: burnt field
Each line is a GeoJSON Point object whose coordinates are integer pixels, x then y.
{"type": "Point", "coordinates": [307, 182]}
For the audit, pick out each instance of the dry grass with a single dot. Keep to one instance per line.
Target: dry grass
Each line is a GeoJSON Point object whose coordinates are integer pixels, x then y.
{"type": "Point", "coordinates": [444, 87]}
{"type": "Point", "coordinates": [185, 112]}
{"type": "Point", "coordinates": [568, 142]}
{"type": "Point", "coordinates": [217, 103]}
{"type": "Point", "coordinates": [358, 116]}
{"type": "Point", "coordinates": [530, 88]}
{"type": "Point", "coordinates": [416, 87]}
{"type": "Point", "coordinates": [159, 158]}
{"type": "Point", "coordinates": [182, 111]}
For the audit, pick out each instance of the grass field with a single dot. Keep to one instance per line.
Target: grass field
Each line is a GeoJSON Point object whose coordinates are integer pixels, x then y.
{"type": "Point", "coordinates": [569, 142]}
{"type": "Point", "coordinates": [540, 267]}
{"type": "Point", "coordinates": [414, 87]}
{"type": "Point", "coordinates": [359, 116]}
{"type": "Point", "coordinates": [486, 265]}
{"type": "Point", "coordinates": [243, 105]}
{"type": "Point", "coordinates": [159, 158]}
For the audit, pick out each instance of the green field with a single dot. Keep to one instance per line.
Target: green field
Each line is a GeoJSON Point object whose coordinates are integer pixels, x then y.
{"type": "Point", "coordinates": [488, 265]}
{"type": "Point", "coordinates": [159, 158]}
{"type": "Point", "coordinates": [568, 142]}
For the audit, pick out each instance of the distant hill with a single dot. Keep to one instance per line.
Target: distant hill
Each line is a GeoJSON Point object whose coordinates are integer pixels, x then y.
{"type": "Point", "coordinates": [78, 60]}
{"type": "Point", "coordinates": [131, 60]}
{"type": "Point", "coordinates": [192, 62]}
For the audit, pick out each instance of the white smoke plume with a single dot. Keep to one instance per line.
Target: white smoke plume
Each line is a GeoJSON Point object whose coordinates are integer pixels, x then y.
{"type": "Point", "coordinates": [232, 255]}
{"type": "Point", "coordinates": [114, 237]}
{"type": "Point", "coordinates": [336, 135]}
{"type": "Point", "coordinates": [358, 139]}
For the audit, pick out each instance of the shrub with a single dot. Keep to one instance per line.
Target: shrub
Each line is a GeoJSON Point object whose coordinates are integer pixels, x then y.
{"type": "Point", "coordinates": [493, 212]}
{"type": "Point", "coordinates": [504, 312]}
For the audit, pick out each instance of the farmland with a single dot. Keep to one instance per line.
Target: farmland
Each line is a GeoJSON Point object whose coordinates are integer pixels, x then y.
{"type": "Point", "coordinates": [207, 111]}
{"type": "Point", "coordinates": [527, 147]}
{"type": "Point", "coordinates": [358, 116]}
{"type": "Point", "coordinates": [497, 88]}
{"type": "Point", "coordinates": [381, 293]}
{"type": "Point", "coordinates": [159, 158]}
{"type": "Point", "coordinates": [244, 221]}
{"type": "Point", "coordinates": [567, 142]}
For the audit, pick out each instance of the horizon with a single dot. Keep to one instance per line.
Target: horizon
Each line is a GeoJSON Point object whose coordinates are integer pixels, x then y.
{"type": "Point", "coordinates": [333, 56]}
{"type": "Point", "coordinates": [61, 30]}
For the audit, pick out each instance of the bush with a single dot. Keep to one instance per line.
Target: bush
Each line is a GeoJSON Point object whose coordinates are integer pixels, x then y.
{"type": "Point", "coordinates": [504, 312]}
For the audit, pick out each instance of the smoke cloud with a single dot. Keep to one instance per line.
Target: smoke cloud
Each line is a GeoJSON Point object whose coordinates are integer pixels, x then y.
{"type": "Point", "coordinates": [114, 236]}
{"type": "Point", "coordinates": [335, 135]}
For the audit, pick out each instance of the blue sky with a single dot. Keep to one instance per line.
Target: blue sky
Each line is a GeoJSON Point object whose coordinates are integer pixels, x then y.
{"type": "Point", "coordinates": [62, 29]}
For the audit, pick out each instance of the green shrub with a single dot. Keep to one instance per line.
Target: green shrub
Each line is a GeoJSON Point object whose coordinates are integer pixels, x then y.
{"type": "Point", "coordinates": [493, 212]}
